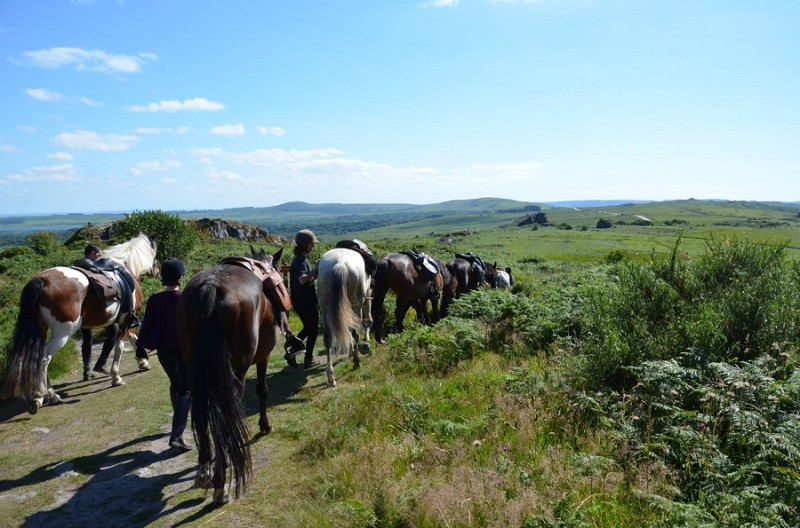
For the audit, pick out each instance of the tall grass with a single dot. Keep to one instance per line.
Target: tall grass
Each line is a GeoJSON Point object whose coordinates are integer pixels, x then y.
{"type": "Point", "coordinates": [693, 364]}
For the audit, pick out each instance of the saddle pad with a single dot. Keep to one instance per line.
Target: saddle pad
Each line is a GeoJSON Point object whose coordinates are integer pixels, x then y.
{"type": "Point", "coordinates": [103, 286]}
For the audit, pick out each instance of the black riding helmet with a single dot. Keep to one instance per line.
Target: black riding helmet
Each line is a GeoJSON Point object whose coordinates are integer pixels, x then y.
{"type": "Point", "coordinates": [172, 270]}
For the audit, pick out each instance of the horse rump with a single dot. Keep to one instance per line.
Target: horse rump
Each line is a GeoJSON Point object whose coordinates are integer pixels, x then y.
{"type": "Point", "coordinates": [219, 419]}
{"type": "Point", "coordinates": [339, 319]}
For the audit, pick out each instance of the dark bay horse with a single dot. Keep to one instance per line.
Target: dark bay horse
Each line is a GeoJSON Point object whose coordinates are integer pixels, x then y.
{"type": "Point", "coordinates": [227, 321]}
{"type": "Point", "coordinates": [60, 300]}
{"type": "Point", "coordinates": [449, 287]}
{"type": "Point", "coordinates": [465, 274]}
{"type": "Point", "coordinates": [412, 287]}
{"type": "Point", "coordinates": [343, 290]}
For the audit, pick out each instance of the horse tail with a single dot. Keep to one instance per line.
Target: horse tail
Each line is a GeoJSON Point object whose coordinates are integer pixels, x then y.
{"type": "Point", "coordinates": [25, 363]}
{"type": "Point", "coordinates": [218, 413]}
{"type": "Point", "coordinates": [342, 320]}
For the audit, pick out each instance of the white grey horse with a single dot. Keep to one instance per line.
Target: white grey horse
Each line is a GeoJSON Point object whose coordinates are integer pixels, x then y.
{"type": "Point", "coordinates": [343, 290]}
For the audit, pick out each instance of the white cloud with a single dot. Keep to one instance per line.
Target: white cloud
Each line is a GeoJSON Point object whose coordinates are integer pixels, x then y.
{"type": "Point", "coordinates": [271, 131]}
{"type": "Point", "coordinates": [153, 166]}
{"type": "Point", "coordinates": [206, 152]}
{"type": "Point", "coordinates": [508, 167]}
{"type": "Point", "coordinates": [269, 157]}
{"type": "Point", "coordinates": [42, 94]}
{"type": "Point", "coordinates": [26, 128]}
{"type": "Point", "coordinates": [199, 104]}
{"type": "Point", "coordinates": [228, 176]}
{"type": "Point", "coordinates": [155, 130]}
{"type": "Point", "coordinates": [441, 3]}
{"type": "Point", "coordinates": [61, 156]}
{"type": "Point", "coordinates": [53, 173]}
{"type": "Point", "coordinates": [85, 140]}
{"type": "Point", "coordinates": [8, 148]}
{"type": "Point", "coordinates": [92, 60]}
{"type": "Point", "coordinates": [228, 130]}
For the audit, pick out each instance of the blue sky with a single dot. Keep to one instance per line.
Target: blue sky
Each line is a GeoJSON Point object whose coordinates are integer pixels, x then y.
{"type": "Point", "coordinates": [111, 105]}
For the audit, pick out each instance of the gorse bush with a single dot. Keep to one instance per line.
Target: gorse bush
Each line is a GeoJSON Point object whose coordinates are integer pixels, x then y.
{"type": "Point", "coordinates": [173, 237]}
{"type": "Point", "coordinates": [705, 352]}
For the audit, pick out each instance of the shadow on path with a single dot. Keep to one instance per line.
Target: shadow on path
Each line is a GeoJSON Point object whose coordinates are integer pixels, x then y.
{"type": "Point", "coordinates": [126, 486]}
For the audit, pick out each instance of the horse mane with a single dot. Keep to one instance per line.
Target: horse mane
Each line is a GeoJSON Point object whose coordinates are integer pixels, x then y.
{"type": "Point", "coordinates": [138, 254]}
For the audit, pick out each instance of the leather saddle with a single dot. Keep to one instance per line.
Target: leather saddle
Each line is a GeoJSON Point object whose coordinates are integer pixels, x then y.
{"type": "Point", "coordinates": [424, 264]}
{"type": "Point", "coordinates": [274, 287]}
{"type": "Point", "coordinates": [370, 262]}
{"type": "Point", "coordinates": [108, 280]}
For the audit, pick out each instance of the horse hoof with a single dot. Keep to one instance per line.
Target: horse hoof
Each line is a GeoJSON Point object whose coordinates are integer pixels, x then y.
{"type": "Point", "coordinates": [144, 364]}
{"type": "Point", "coordinates": [266, 430]}
{"type": "Point", "coordinates": [33, 406]}
{"type": "Point", "coordinates": [220, 497]}
{"type": "Point", "coordinates": [55, 399]}
{"type": "Point", "coordinates": [203, 479]}
{"type": "Point", "coordinates": [117, 382]}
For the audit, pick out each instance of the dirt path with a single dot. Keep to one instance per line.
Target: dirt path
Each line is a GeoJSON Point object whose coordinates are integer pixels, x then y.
{"type": "Point", "coordinates": [102, 458]}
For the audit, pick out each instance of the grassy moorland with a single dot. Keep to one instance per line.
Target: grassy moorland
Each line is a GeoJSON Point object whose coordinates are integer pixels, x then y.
{"type": "Point", "coordinates": [640, 375]}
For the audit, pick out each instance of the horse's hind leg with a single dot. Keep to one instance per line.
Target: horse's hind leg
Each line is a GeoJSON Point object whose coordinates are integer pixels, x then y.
{"type": "Point", "coordinates": [116, 379]}
{"type": "Point", "coordinates": [58, 339]}
{"type": "Point", "coordinates": [221, 495]}
{"type": "Point", "coordinates": [262, 392]}
{"type": "Point", "coordinates": [329, 369]}
{"type": "Point", "coordinates": [356, 356]}
{"type": "Point", "coordinates": [205, 475]}
{"type": "Point", "coordinates": [400, 310]}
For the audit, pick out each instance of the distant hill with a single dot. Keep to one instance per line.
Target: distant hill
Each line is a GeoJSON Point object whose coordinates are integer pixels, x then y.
{"type": "Point", "coordinates": [330, 219]}
{"type": "Point", "coordinates": [595, 203]}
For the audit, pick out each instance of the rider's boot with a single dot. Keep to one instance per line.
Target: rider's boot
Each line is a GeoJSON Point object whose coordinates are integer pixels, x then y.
{"type": "Point", "coordinates": [179, 417]}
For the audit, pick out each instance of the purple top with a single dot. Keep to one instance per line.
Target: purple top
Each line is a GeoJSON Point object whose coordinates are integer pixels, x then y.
{"type": "Point", "coordinates": [160, 327]}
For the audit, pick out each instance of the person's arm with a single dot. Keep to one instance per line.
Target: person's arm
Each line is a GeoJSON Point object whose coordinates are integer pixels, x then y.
{"type": "Point", "coordinates": [148, 323]}
{"type": "Point", "coordinates": [309, 277]}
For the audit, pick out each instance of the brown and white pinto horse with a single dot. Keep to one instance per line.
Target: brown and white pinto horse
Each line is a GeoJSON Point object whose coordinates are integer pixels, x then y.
{"type": "Point", "coordinates": [60, 300]}
{"type": "Point", "coordinates": [226, 323]}
{"type": "Point", "coordinates": [497, 277]}
{"type": "Point", "coordinates": [397, 272]}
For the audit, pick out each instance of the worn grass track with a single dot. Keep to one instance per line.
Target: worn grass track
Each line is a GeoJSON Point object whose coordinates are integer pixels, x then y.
{"type": "Point", "coordinates": [102, 456]}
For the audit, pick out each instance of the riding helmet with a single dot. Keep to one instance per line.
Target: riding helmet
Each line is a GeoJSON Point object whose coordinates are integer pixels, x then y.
{"type": "Point", "coordinates": [304, 236]}
{"type": "Point", "coordinates": [172, 270]}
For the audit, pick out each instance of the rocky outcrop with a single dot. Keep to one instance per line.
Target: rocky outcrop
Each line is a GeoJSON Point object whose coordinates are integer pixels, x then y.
{"type": "Point", "coordinates": [536, 218]}
{"type": "Point", "coordinates": [218, 228]}
{"type": "Point", "coordinates": [212, 228]}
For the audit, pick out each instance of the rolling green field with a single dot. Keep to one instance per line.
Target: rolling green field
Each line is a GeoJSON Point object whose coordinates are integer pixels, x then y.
{"type": "Point", "coordinates": [637, 375]}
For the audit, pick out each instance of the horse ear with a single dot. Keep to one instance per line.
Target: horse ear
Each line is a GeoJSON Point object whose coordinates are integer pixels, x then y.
{"type": "Point", "coordinates": [277, 256]}
{"type": "Point", "coordinates": [508, 270]}
{"type": "Point", "coordinates": [252, 251]}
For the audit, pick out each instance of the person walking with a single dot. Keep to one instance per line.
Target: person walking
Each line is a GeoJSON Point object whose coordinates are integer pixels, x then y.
{"type": "Point", "coordinates": [91, 253]}
{"type": "Point", "coordinates": [304, 296]}
{"type": "Point", "coordinates": [159, 331]}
